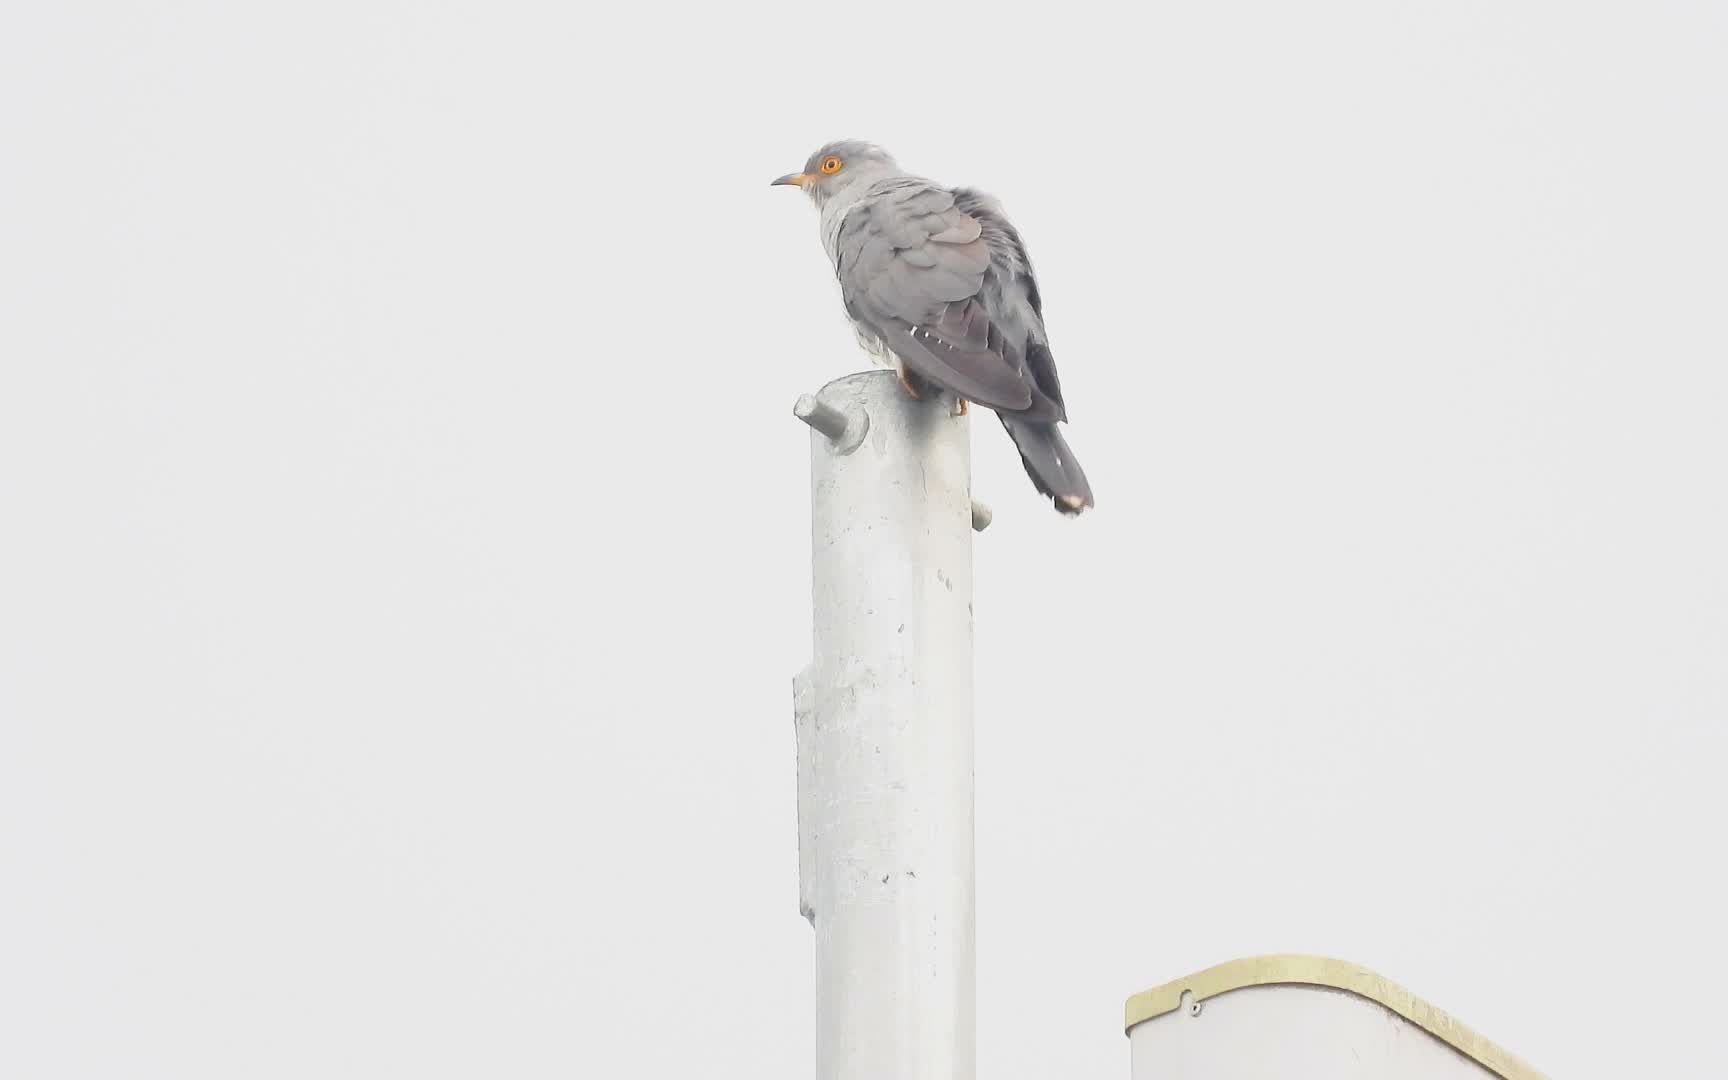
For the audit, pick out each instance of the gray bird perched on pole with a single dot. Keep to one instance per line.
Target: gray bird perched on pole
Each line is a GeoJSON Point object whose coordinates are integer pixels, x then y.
{"type": "Point", "coordinates": [938, 286]}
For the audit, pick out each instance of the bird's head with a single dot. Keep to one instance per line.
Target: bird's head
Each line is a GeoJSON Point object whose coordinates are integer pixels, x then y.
{"type": "Point", "coordinates": [838, 166]}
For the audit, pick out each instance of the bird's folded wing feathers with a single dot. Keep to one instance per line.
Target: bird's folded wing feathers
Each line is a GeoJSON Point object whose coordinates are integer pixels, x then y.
{"type": "Point", "coordinates": [911, 267]}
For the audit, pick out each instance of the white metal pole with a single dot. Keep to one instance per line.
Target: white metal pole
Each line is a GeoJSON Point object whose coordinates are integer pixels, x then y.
{"type": "Point", "coordinates": [884, 726]}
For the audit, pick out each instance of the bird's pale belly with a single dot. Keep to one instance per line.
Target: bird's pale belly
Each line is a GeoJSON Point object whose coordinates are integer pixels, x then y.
{"type": "Point", "coordinates": [871, 343]}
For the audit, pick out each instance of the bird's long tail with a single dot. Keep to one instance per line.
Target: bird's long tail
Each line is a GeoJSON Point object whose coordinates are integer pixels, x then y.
{"type": "Point", "coordinates": [1051, 465]}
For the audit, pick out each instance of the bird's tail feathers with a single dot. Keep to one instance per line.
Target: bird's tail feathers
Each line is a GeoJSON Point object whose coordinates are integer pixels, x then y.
{"type": "Point", "coordinates": [1051, 465]}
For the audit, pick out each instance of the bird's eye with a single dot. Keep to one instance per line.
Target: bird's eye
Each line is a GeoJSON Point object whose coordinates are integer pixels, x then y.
{"type": "Point", "coordinates": [830, 166]}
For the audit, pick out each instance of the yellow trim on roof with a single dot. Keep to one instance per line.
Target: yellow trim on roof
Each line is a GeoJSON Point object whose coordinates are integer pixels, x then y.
{"type": "Point", "coordinates": [1338, 975]}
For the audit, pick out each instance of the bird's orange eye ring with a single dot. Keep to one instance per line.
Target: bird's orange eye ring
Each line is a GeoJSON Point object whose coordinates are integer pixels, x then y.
{"type": "Point", "coordinates": [830, 166]}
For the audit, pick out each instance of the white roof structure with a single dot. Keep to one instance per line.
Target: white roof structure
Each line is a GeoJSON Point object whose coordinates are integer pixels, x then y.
{"type": "Point", "coordinates": [1287, 1017]}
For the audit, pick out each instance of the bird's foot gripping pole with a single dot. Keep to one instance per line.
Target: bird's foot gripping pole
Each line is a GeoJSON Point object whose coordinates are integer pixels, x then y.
{"type": "Point", "coordinates": [906, 382]}
{"type": "Point", "coordinates": [883, 717]}
{"type": "Point", "coordinates": [909, 383]}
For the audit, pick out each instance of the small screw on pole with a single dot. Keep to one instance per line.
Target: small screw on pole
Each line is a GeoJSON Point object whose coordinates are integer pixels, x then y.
{"type": "Point", "coordinates": [981, 516]}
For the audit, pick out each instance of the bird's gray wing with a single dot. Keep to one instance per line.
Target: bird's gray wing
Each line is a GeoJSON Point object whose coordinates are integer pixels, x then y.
{"type": "Point", "coordinates": [912, 267]}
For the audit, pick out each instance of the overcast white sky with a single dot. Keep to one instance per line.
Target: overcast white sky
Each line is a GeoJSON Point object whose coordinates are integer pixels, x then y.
{"type": "Point", "coordinates": [404, 553]}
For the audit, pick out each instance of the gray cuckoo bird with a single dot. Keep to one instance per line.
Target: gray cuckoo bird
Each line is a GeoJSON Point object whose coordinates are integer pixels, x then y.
{"type": "Point", "coordinates": [938, 286]}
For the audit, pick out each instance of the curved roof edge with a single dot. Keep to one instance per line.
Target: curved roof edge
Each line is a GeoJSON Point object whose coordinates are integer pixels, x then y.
{"type": "Point", "coordinates": [1337, 975]}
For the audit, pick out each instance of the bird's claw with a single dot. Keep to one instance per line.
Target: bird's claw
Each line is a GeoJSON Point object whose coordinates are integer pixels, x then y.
{"type": "Point", "coordinates": [959, 407]}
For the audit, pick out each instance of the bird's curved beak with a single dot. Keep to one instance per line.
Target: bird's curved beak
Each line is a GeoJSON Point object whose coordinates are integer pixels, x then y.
{"type": "Point", "coordinates": [796, 179]}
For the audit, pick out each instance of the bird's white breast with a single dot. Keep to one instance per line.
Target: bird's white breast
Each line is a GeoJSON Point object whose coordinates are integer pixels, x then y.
{"type": "Point", "coordinates": [832, 221]}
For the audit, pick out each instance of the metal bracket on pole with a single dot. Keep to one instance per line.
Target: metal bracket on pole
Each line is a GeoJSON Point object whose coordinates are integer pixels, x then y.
{"type": "Point", "coordinates": [883, 717]}
{"type": "Point", "coordinates": [844, 429]}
